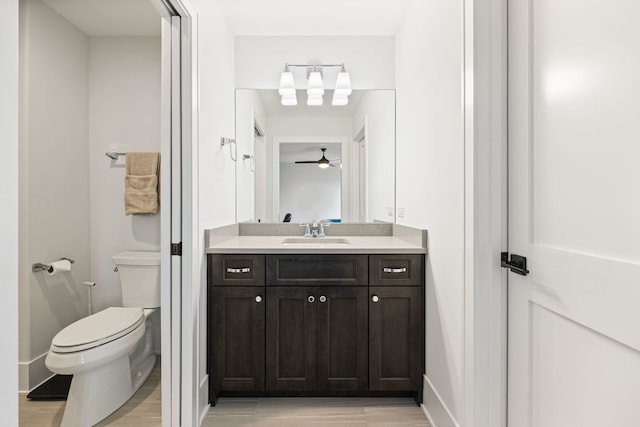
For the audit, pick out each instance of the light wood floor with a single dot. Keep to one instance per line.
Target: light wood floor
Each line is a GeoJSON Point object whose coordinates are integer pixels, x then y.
{"type": "Point", "coordinates": [315, 412]}
{"type": "Point", "coordinates": [144, 410]}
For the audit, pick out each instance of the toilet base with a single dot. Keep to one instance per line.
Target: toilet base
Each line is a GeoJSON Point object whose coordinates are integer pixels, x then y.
{"type": "Point", "coordinates": [95, 395]}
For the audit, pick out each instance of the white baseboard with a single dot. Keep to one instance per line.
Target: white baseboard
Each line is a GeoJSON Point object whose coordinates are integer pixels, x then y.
{"type": "Point", "coordinates": [434, 408]}
{"type": "Point", "coordinates": [32, 373]}
{"type": "Point", "coordinates": [203, 395]}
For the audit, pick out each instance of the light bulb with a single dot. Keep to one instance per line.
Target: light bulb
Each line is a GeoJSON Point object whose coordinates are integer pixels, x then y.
{"type": "Point", "coordinates": [314, 85]}
{"type": "Point", "coordinates": [289, 100]}
{"type": "Point", "coordinates": [343, 83]}
{"type": "Point", "coordinates": [339, 100]}
{"type": "Point", "coordinates": [323, 165]}
{"type": "Point", "coordinates": [287, 85]}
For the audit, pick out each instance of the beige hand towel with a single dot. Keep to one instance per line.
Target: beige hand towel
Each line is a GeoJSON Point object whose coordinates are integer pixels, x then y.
{"type": "Point", "coordinates": [141, 183]}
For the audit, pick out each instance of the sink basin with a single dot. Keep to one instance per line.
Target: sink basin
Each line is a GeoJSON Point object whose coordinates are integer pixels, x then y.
{"type": "Point", "coordinates": [315, 241]}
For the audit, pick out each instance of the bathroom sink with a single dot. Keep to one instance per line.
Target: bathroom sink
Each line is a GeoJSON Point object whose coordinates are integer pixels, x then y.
{"type": "Point", "coordinates": [315, 241]}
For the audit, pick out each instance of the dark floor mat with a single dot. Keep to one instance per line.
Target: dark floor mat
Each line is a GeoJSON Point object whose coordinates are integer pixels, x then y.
{"type": "Point", "coordinates": [55, 388]}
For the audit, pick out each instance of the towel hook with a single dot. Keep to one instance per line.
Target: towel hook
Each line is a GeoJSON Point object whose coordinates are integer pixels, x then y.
{"type": "Point", "coordinates": [228, 141]}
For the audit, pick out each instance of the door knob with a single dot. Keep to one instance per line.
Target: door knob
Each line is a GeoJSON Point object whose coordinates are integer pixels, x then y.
{"type": "Point", "coordinates": [375, 298]}
{"type": "Point", "coordinates": [311, 299]}
{"type": "Point", "coordinates": [258, 298]}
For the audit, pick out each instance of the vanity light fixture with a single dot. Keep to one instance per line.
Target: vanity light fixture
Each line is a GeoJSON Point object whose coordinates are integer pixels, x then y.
{"type": "Point", "coordinates": [315, 85]}
{"type": "Point", "coordinates": [287, 87]}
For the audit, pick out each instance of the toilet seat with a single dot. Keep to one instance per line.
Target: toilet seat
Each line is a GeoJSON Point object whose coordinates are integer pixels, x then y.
{"type": "Point", "coordinates": [98, 329]}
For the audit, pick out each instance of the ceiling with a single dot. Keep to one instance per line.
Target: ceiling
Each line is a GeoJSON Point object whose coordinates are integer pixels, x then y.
{"type": "Point", "coordinates": [104, 18]}
{"type": "Point", "coordinates": [312, 17]}
{"type": "Point", "coordinates": [244, 17]}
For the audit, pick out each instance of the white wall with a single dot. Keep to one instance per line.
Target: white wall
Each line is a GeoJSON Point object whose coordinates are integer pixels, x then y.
{"type": "Point", "coordinates": [54, 184]}
{"type": "Point", "coordinates": [310, 193]}
{"type": "Point", "coordinates": [310, 126]}
{"type": "Point", "coordinates": [379, 108]}
{"type": "Point", "coordinates": [369, 60]}
{"type": "Point", "coordinates": [249, 108]}
{"type": "Point", "coordinates": [124, 115]}
{"type": "Point", "coordinates": [430, 184]}
{"type": "Point", "coordinates": [9, 211]}
{"type": "Point", "coordinates": [216, 201]}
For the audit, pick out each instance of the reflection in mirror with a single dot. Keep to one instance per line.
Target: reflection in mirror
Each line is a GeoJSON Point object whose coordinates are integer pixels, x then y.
{"type": "Point", "coordinates": [310, 182]}
{"type": "Point", "coordinates": [279, 150]}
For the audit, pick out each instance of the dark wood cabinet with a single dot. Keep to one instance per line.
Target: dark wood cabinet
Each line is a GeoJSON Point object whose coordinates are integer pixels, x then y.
{"type": "Point", "coordinates": [342, 338]}
{"type": "Point", "coordinates": [396, 336]}
{"type": "Point", "coordinates": [291, 339]}
{"type": "Point", "coordinates": [237, 344]}
{"type": "Point", "coordinates": [236, 270]}
{"type": "Point", "coordinates": [313, 324]}
{"type": "Point", "coordinates": [317, 270]}
{"type": "Point", "coordinates": [316, 338]}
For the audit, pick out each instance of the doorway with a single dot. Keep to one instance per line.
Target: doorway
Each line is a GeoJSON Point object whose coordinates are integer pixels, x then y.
{"type": "Point", "coordinates": [161, 118]}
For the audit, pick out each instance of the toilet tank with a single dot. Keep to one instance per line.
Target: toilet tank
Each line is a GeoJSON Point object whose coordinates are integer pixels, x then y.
{"type": "Point", "coordinates": [139, 278]}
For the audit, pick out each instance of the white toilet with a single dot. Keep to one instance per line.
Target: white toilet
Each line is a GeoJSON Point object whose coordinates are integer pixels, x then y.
{"type": "Point", "coordinates": [110, 353]}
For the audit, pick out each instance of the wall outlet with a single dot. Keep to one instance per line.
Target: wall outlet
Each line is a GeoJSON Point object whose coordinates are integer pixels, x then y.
{"type": "Point", "coordinates": [401, 212]}
{"type": "Point", "coordinates": [390, 211]}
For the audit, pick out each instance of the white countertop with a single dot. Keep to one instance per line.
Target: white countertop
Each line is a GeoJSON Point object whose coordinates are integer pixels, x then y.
{"type": "Point", "coordinates": [275, 245]}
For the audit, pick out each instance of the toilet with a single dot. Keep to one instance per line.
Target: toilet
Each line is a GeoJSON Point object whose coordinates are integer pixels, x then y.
{"type": "Point", "coordinates": [110, 353]}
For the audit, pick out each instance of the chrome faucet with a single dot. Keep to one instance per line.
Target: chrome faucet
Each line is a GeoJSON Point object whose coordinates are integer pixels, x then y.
{"type": "Point", "coordinates": [316, 229]}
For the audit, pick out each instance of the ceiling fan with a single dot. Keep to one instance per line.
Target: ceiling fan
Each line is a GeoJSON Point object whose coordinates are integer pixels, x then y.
{"type": "Point", "coordinates": [323, 162]}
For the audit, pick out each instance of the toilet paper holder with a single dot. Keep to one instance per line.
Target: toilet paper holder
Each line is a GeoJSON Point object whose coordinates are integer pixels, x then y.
{"type": "Point", "coordinates": [38, 266]}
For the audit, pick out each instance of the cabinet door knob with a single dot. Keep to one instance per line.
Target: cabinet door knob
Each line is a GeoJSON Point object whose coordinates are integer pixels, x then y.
{"type": "Point", "coordinates": [375, 298]}
{"type": "Point", "coordinates": [311, 299]}
{"type": "Point", "coordinates": [258, 298]}
{"type": "Point", "coordinates": [323, 298]}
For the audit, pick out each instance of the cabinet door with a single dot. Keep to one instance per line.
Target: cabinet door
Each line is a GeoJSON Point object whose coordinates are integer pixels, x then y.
{"type": "Point", "coordinates": [291, 338]}
{"type": "Point", "coordinates": [237, 338]}
{"type": "Point", "coordinates": [342, 338]}
{"type": "Point", "coordinates": [395, 338]}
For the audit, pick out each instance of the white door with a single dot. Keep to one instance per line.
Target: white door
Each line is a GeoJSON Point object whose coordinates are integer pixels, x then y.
{"type": "Point", "coordinates": [574, 212]}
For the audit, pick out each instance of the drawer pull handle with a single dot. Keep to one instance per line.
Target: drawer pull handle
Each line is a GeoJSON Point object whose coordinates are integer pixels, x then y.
{"type": "Point", "coordinates": [323, 298]}
{"type": "Point", "coordinates": [394, 270]}
{"type": "Point", "coordinates": [258, 298]}
{"type": "Point", "coordinates": [311, 299]}
{"type": "Point", "coordinates": [375, 298]}
{"type": "Point", "coordinates": [239, 270]}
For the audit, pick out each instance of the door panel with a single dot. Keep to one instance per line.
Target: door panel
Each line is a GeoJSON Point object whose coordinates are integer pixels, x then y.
{"type": "Point", "coordinates": [237, 333]}
{"type": "Point", "coordinates": [395, 335]}
{"type": "Point", "coordinates": [342, 338]}
{"type": "Point", "coordinates": [291, 338]}
{"type": "Point", "coordinates": [574, 346]}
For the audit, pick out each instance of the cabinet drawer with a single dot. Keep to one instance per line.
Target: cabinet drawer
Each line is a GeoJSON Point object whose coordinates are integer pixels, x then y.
{"type": "Point", "coordinates": [324, 270]}
{"type": "Point", "coordinates": [236, 270]}
{"type": "Point", "coordinates": [392, 270]}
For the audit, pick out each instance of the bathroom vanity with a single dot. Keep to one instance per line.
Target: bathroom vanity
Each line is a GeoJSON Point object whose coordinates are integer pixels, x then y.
{"type": "Point", "coordinates": [343, 316]}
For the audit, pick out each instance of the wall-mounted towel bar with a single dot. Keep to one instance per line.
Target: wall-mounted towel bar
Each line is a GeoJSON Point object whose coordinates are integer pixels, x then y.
{"type": "Point", "coordinates": [113, 155]}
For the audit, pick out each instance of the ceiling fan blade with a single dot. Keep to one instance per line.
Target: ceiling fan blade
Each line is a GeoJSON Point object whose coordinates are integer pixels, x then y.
{"type": "Point", "coordinates": [307, 161]}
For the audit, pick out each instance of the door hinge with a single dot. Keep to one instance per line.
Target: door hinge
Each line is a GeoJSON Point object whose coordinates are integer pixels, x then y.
{"type": "Point", "coordinates": [517, 264]}
{"type": "Point", "coordinates": [176, 249]}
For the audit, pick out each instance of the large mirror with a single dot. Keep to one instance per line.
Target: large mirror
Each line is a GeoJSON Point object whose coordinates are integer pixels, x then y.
{"type": "Point", "coordinates": [303, 163]}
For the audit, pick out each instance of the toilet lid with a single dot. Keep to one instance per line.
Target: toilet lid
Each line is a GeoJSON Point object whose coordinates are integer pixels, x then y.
{"type": "Point", "coordinates": [98, 329]}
